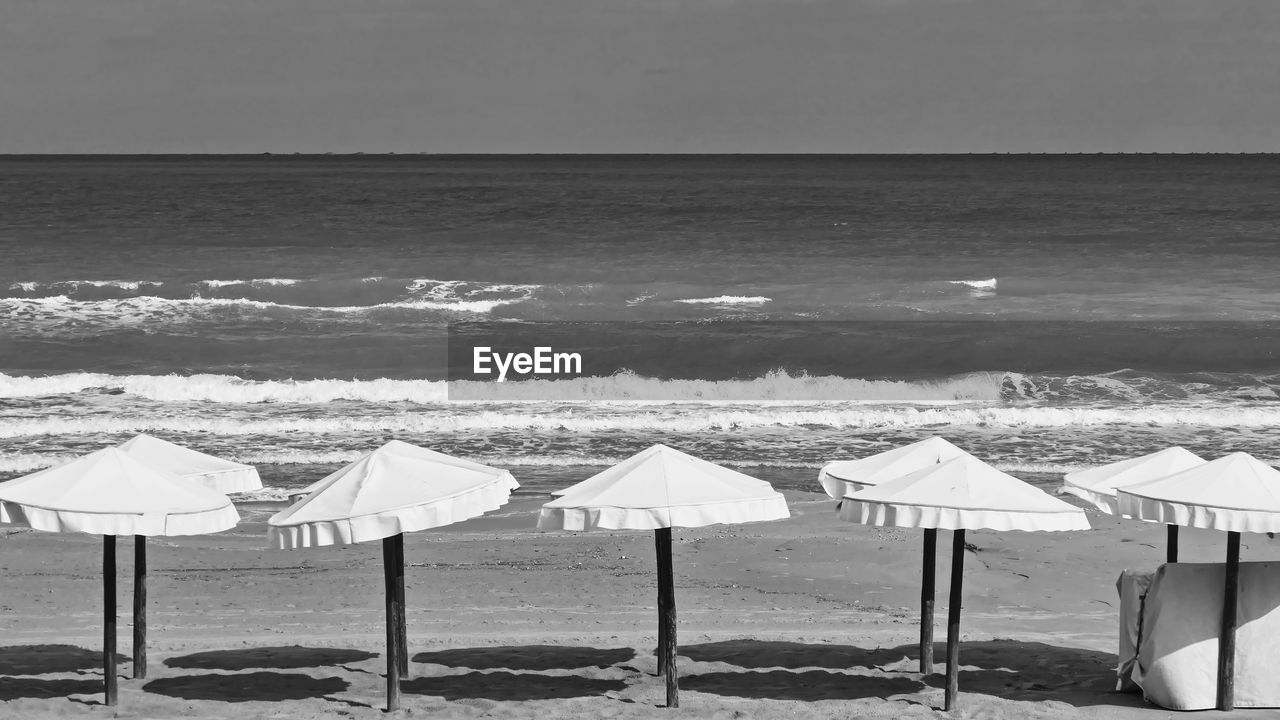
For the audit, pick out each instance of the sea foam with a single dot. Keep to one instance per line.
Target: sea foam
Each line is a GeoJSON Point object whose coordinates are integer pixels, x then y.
{"type": "Point", "coordinates": [727, 300]}
{"type": "Point", "coordinates": [706, 420]}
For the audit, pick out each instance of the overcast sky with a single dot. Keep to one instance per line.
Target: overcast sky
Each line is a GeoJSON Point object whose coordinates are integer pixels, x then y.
{"type": "Point", "coordinates": [554, 76]}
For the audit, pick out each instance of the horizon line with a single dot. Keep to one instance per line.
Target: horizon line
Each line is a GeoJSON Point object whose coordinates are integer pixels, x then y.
{"type": "Point", "coordinates": [632, 154]}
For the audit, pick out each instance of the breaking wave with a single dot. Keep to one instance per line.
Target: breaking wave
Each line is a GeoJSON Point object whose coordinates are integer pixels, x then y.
{"type": "Point", "coordinates": [976, 284]}
{"type": "Point", "coordinates": [1123, 387]}
{"type": "Point", "coordinates": [727, 300]}
{"type": "Point", "coordinates": [100, 298]}
{"type": "Point", "coordinates": [777, 386]}
{"type": "Point", "coordinates": [703, 420]}
{"type": "Point", "coordinates": [225, 388]}
{"type": "Point", "coordinates": [261, 282]}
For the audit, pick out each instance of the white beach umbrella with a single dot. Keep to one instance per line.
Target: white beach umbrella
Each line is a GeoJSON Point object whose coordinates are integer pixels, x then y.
{"type": "Point", "coordinates": [1235, 493]}
{"type": "Point", "coordinates": [1098, 485]}
{"type": "Point", "coordinates": [959, 494]}
{"type": "Point", "coordinates": [223, 476]}
{"type": "Point", "coordinates": [395, 489]}
{"type": "Point", "coordinates": [658, 489]}
{"type": "Point", "coordinates": [845, 477]}
{"type": "Point", "coordinates": [110, 493]}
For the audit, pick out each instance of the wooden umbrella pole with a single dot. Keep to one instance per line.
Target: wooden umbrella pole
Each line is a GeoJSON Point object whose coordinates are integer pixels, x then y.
{"type": "Point", "coordinates": [1171, 551]}
{"type": "Point", "coordinates": [403, 658]}
{"type": "Point", "coordinates": [662, 594]}
{"type": "Point", "coordinates": [1227, 640]}
{"type": "Point", "coordinates": [389, 559]}
{"type": "Point", "coordinates": [926, 600]}
{"type": "Point", "coordinates": [667, 610]}
{"type": "Point", "coordinates": [109, 618]}
{"type": "Point", "coordinates": [953, 619]}
{"type": "Point", "coordinates": [139, 606]}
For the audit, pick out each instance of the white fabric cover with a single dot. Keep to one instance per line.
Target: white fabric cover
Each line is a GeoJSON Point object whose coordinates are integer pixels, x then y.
{"type": "Point", "coordinates": [1098, 485]}
{"type": "Point", "coordinates": [1132, 585]}
{"type": "Point", "coordinates": [961, 493]}
{"type": "Point", "coordinates": [845, 477]}
{"type": "Point", "coordinates": [108, 492]}
{"type": "Point", "coordinates": [1177, 663]}
{"type": "Point", "coordinates": [214, 473]}
{"type": "Point", "coordinates": [1235, 492]}
{"type": "Point", "coordinates": [662, 487]}
{"type": "Point", "coordinates": [395, 489]}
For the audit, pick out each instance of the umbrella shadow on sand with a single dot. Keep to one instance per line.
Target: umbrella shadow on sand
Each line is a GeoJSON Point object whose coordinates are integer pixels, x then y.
{"type": "Point", "coordinates": [805, 685]}
{"type": "Point", "coordinates": [42, 659]}
{"type": "Point", "coordinates": [528, 657]}
{"type": "Point", "coordinates": [246, 687]}
{"type": "Point", "coordinates": [762, 654]}
{"type": "Point", "coordinates": [1004, 668]}
{"type": "Point", "coordinates": [13, 688]}
{"type": "Point", "coordinates": [1016, 670]}
{"type": "Point", "coordinates": [282, 658]}
{"type": "Point", "coordinates": [511, 686]}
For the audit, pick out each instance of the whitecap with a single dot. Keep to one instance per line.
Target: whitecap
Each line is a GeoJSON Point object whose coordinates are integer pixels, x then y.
{"type": "Point", "coordinates": [727, 300]}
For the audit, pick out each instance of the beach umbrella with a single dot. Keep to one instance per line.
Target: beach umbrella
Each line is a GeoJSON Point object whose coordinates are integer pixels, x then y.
{"type": "Point", "coordinates": [395, 489]}
{"type": "Point", "coordinates": [110, 493]}
{"type": "Point", "coordinates": [1236, 493]}
{"type": "Point", "coordinates": [845, 477]}
{"type": "Point", "coordinates": [960, 494]}
{"type": "Point", "coordinates": [1098, 485]}
{"type": "Point", "coordinates": [223, 476]}
{"type": "Point", "coordinates": [660, 489]}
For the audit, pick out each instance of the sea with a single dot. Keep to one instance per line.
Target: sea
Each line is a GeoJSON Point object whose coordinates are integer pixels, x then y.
{"type": "Point", "coordinates": [1046, 313]}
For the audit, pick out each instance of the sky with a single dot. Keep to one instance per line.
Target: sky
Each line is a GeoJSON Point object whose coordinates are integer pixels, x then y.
{"type": "Point", "coordinates": [651, 76]}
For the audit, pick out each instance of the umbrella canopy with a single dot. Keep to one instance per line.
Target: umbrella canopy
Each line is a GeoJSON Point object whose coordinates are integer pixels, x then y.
{"type": "Point", "coordinates": [214, 473]}
{"type": "Point", "coordinates": [845, 477]}
{"type": "Point", "coordinates": [108, 492]}
{"type": "Point", "coordinates": [1098, 485]}
{"type": "Point", "coordinates": [658, 489]}
{"type": "Point", "coordinates": [395, 489]}
{"type": "Point", "coordinates": [662, 488]}
{"type": "Point", "coordinates": [961, 493]}
{"type": "Point", "coordinates": [1236, 493]}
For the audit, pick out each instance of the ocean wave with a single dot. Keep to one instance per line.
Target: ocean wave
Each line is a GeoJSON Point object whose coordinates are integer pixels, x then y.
{"type": "Point", "coordinates": [259, 282]}
{"type": "Point", "coordinates": [659, 420]}
{"type": "Point", "coordinates": [1125, 388]}
{"type": "Point", "coordinates": [30, 463]}
{"type": "Point", "coordinates": [989, 284]}
{"type": "Point", "coordinates": [72, 285]}
{"type": "Point", "coordinates": [777, 386]}
{"type": "Point", "coordinates": [727, 300]}
{"type": "Point", "coordinates": [773, 387]}
{"type": "Point", "coordinates": [288, 293]}
{"type": "Point", "coordinates": [61, 309]}
{"type": "Point", "coordinates": [225, 388]}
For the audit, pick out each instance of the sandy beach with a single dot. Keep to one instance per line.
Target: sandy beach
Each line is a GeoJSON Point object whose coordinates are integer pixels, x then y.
{"type": "Point", "coordinates": [803, 618]}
